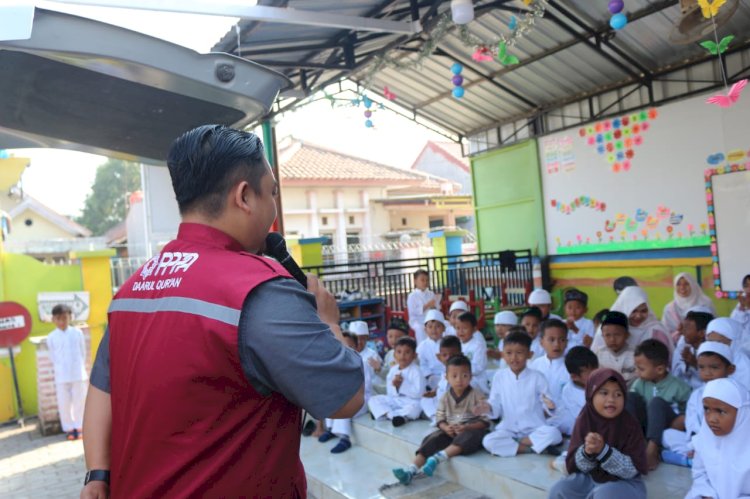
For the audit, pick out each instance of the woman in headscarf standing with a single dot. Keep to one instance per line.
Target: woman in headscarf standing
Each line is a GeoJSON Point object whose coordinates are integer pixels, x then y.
{"type": "Point", "coordinates": [642, 323]}
{"type": "Point", "coordinates": [687, 294]}
{"type": "Point", "coordinates": [607, 453]}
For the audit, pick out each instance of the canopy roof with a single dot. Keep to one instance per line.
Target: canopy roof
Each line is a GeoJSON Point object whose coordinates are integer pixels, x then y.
{"type": "Point", "coordinates": [573, 67]}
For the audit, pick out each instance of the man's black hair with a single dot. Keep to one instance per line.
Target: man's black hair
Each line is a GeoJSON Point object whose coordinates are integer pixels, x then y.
{"type": "Point", "coordinates": [518, 339]}
{"type": "Point", "coordinates": [420, 272]}
{"type": "Point", "coordinates": [207, 161]}
{"type": "Point", "coordinates": [599, 316]}
{"type": "Point", "coordinates": [579, 357]}
{"type": "Point", "coordinates": [655, 351]}
{"type": "Point", "coordinates": [399, 324]}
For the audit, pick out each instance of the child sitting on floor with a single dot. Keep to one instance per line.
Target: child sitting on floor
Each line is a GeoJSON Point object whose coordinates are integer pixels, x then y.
{"type": "Point", "coordinates": [554, 339]}
{"type": "Point", "coordinates": [520, 396]}
{"type": "Point", "coordinates": [459, 431]}
{"type": "Point", "coordinates": [607, 452]}
{"type": "Point", "coordinates": [457, 308]}
{"type": "Point", "coordinates": [692, 334]}
{"type": "Point", "coordinates": [727, 331]}
{"type": "Point", "coordinates": [427, 351]}
{"type": "Point", "coordinates": [722, 456]}
{"type": "Point", "coordinates": [616, 354]}
{"type": "Point", "coordinates": [474, 347]}
{"type": "Point", "coordinates": [504, 321]}
{"type": "Point", "coordinates": [342, 428]}
{"type": "Point", "coordinates": [714, 362]}
{"type": "Point", "coordinates": [581, 329]}
{"type": "Point", "coordinates": [656, 398]}
{"type": "Point", "coordinates": [449, 347]}
{"type": "Point", "coordinates": [531, 319]}
{"type": "Point", "coordinates": [398, 328]}
{"type": "Point", "coordinates": [405, 386]}
{"type": "Point", "coordinates": [541, 299]}
{"type": "Point", "coordinates": [580, 362]}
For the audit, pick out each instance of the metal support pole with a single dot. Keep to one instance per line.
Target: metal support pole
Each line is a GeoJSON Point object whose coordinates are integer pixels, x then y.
{"type": "Point", "coordinates": [15, 385]}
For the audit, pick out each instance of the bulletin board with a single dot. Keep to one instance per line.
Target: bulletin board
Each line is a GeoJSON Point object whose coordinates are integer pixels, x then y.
{"type": "Point", "coordinates": [728, 200]}
{"type": "Point", "coordinates": [636, 181]}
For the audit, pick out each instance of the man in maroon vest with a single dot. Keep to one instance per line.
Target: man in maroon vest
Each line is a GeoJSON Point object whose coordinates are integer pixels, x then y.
{"type": "Point", "coordinates": [211, 350]}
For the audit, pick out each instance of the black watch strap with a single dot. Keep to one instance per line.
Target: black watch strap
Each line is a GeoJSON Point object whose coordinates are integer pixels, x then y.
{"type": "Point", "coordinates": [97, 476]}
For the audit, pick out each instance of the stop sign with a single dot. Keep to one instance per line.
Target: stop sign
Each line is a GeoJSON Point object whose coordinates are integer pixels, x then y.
{"type": "Point", "coordinates": [15, 324]}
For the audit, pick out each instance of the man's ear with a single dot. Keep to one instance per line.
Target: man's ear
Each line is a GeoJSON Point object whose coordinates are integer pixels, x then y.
{"type": "Point", "coordinates": [242, 196]}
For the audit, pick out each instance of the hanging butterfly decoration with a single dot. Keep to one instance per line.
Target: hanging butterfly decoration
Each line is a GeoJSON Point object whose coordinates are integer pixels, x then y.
{"type": "Point", "coordinates": [388, 94]}
{"type": "Point", "coordinates": [731, 98]}
{"type": "Point", "coordinates": [482, 54]}
{"type": "Point", "coordinates": [710, 8]}
{"type": "Point", "coordinates": [504, 57]}
{"type": "Point", "coordinates": [717, 48]}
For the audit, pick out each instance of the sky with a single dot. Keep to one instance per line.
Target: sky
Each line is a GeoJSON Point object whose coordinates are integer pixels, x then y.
{"type": "Point", "coordinates": [62, 179]}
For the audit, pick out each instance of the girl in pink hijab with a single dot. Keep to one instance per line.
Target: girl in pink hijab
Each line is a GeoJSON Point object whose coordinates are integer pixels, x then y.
{"type": "Point", "coordinates": [687, 294]}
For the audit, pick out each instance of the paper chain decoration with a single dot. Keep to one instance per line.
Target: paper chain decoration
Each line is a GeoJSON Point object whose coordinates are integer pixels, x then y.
{"type": "Point", "coordinates": [579, 202]}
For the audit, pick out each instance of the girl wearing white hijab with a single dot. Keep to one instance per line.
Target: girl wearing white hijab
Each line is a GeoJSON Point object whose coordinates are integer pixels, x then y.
{"type": "Point", "coordinates": [642, 323]}
{"type": "Point", "coordinates": [687, 294]}
{"type": "Point", "coordinates": [727, 331]}
{"type": "Point", "coordinates": [721, 468]}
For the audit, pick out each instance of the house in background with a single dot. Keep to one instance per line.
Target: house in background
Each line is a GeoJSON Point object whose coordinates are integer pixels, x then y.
{"type": "Point", "coordinates": [353, 201]}
{"type": "Point", "coordinates": [39, 231]}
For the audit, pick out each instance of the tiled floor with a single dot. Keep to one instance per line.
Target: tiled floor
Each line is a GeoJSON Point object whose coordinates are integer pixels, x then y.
{"type": "Point", "coordinates": [378, 447]}
{"type": "Point", "coordinates": [34, 466]}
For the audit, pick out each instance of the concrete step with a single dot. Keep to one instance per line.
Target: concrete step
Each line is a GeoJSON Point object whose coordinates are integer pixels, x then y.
{"type": "Point", "coordinates": [525, 476]}
{"type": "Point", "coordinates": [360, 473]}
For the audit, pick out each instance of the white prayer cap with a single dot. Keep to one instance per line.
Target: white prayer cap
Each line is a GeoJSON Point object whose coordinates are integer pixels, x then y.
{"type": "Point", "coordinates": [506, 318]}
{"type": "Point", "coordinates": [359, 328]}
{"type": "Point", "coordinates": [726, 390]}
{"type": "Point", "coordinates": [717, 348]}
{"type": "Point", "coordinates": [702, 309]}
{"type": "Point", "coordinates": [540, 297]}
{"type": "Point", "coordinates": [459, 305]}
{"type": "Point", "coordinates": [724, 327]}
{"type": "Point", "coordinates": [434, 315]}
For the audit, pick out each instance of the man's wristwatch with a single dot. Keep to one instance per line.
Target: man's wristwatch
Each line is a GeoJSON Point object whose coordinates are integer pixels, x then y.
{"type": "Point", "coordinates": [96, 476]}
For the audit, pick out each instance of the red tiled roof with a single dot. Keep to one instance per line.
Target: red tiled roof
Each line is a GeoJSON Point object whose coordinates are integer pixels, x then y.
{"type": "Point", "coordinates": [310, 162]}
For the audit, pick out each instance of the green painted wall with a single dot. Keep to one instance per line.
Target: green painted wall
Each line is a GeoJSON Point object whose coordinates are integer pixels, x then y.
{"type": "Point", "coordinates": [656, 279]}
{"type": "Point", "coordinates": [22, 278]}
{"type": "Point", "coordinates": [508, 199]}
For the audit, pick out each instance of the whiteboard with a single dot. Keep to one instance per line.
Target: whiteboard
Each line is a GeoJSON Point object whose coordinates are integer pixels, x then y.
{"type": "Point", "coordinates": [730, 194]}
{"type": "Point", "coordinates": [636, 181]}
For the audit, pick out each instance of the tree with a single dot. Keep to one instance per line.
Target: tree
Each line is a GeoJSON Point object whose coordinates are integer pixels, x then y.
{"type": "Point", "coordinates": [107, 203]}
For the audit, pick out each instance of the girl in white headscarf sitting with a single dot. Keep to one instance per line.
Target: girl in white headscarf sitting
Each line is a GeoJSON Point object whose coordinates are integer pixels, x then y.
{"type": "Point", "coordinates": [721, 468]}
{"type": "Point", "coordinates": [642, 323]}
{"type": "Point", "coordinates": [727, 331]}
{"type": "Point", "coordinates": [687, 294]}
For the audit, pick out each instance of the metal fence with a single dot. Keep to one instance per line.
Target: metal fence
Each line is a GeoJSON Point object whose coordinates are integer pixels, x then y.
{"type": "Point", "coordinates": [503, 277]}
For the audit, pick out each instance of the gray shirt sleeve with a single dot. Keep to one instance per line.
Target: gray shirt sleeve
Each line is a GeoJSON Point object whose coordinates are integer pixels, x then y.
{"type": "Point", "coordinates": [100, 371]}
{"type": "Point", "coordinates": [286, 348]}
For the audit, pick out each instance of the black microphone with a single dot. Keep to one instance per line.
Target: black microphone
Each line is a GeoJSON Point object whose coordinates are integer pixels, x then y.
{"type": "Point", "coordinates": [276, 248]}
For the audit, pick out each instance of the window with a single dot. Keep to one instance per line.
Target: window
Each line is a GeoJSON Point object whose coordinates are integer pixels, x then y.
{"type": "Point", "coordinates": [351, 220]}
{"type": "Point", "coordinates": [324, 220]}
{"type": "Point", "coordinates": [28, 222]}
{"type": "Point", "coordinates": [352, 238]}
{"type": "Point", "coordinates": [403, 221]}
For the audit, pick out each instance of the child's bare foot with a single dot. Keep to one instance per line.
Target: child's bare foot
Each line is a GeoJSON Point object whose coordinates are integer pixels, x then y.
{"type": "Point", "coordinates": [652, 455]}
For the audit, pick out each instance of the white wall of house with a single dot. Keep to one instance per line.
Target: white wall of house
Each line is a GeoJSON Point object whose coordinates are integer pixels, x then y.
{"type": "Point", "coordinates": [435, 163]}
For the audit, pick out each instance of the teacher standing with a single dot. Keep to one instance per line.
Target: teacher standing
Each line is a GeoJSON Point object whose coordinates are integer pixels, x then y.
{"type": "Point", "coordinates": [211, 350]}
